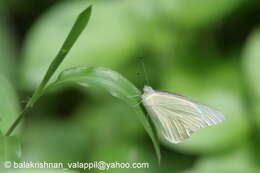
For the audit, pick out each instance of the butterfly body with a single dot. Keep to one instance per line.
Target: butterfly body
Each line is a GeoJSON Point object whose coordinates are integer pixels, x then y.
{"type": "Point", "coordinates": [177, 117]}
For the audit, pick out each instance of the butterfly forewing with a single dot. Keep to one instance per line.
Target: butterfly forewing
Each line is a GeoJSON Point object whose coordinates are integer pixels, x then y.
{"type": "Point", "coordinates": [177, 117]}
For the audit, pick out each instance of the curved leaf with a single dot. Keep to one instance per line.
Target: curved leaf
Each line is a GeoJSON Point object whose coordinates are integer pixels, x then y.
{"type": "Point", "coordinates": [115, 84]}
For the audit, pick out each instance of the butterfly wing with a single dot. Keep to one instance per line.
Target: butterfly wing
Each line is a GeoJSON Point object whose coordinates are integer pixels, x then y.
{"type": "Point", "coordinates": [177, 117]}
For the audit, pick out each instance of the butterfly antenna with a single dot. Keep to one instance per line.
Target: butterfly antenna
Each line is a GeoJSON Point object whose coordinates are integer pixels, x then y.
{"type": "Point", "coordinates": [145, 72]}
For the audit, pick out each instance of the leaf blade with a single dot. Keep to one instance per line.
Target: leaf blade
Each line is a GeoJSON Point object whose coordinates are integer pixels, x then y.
{"type": "Point", "coordinates": [72, 37]}
{"type": "Point", "coordinates": [116, 85]}
{"type": "Point", "coordinates": [74, 34]}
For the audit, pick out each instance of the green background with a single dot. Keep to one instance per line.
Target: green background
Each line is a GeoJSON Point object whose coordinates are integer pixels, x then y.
{"type": "Point", "coordinates": [206, 50]}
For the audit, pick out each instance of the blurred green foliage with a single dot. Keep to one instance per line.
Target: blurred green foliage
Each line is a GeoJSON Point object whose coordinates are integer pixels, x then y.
{"type": "Point", "coordinates": [206, 50]}
{"type": "Point", "coordinates": [10, 108]}
{"type": "Point", "coordinates": [196, 14]}
{"type": "Point", "coordinates": [10, 149]}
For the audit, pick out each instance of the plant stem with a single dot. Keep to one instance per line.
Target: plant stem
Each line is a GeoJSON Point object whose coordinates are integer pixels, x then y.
{"type": "Point", "coordinates": [17, 121]}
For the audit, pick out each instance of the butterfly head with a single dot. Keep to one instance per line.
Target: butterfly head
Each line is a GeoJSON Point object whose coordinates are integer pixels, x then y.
{"type": "Point", "coordinates": [147, 91]}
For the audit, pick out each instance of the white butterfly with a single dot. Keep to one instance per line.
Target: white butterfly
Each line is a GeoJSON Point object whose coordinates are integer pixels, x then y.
{"type": "Point", "coordinates": [177, 117]}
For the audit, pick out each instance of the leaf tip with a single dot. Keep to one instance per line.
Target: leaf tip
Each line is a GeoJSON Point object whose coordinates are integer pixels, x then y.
{"type": "Point", "coordinates": [87, 11]}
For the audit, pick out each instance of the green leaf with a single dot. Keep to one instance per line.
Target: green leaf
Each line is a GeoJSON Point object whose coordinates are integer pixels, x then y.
{"type": "Point", "coordinates": [116, 85]}
{"type": "Point", "coordinates": [9, 107]}
{"type": "Point", "coordinates": [10, 148]}
{"type": "Point", "coordinates": [101, 45]}
{"type": "Point", "coordinates": [75, 32]}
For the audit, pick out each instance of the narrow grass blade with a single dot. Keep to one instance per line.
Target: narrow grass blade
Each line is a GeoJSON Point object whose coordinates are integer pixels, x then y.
{"type": "Point", "coordinates": [75, 32]}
